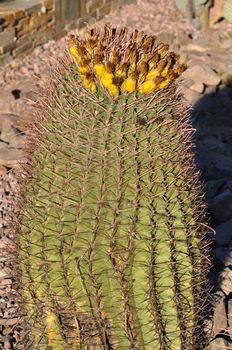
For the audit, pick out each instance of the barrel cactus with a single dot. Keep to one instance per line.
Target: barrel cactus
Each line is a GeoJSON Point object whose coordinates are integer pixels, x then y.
{"type": "Point", "coordinates": [113, 249]}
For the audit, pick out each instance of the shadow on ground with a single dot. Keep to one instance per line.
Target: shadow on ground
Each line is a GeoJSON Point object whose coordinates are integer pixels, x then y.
{"type": "Point", "coordinates": [212, 119]}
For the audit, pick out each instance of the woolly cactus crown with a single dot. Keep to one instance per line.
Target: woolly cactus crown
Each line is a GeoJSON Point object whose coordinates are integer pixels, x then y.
{"type": "Point", "coordinates": [123, 62]}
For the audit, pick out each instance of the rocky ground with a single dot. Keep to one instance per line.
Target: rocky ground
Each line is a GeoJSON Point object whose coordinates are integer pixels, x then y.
{"type": "Point", "coordinates": [206, 85]}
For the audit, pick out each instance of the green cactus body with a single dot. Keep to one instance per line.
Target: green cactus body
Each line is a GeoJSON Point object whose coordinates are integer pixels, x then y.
{"type": "Point", "coordinates": [112, 243]}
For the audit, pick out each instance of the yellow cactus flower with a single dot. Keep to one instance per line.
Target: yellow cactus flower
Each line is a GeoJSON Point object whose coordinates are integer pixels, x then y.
{"type": "Point", "coordinates": [106, 79]}
{"type": "Point", "coordinates": [110, 58]}
{"type": "Point", "coordinates": [164, 83]}
{"type": "Point", "coordinates": [84, 70]}
{"type": "Point", "coordinates": [147, 87]}
{"type": "Point", "coordinates": [165, 72]}
{"type": "Point", "coordinates": [121, 72]}
{"type": "Point", "coordinates": [152, 74]}
{"type": "Point", "coordinates": [73, 50]}
{"type": "Point", "coordinates": [102, 74]}
{"type": "Point", "coordinates": [74, 54]}
{"type": "Point", "coordinates": [129, 85]}
{"type": "Point", "coordinates": [113, 90]}
{"type": "Point", "coordinates": [99, 69]}
{"type": "Point", "coordinates": [89, 84]}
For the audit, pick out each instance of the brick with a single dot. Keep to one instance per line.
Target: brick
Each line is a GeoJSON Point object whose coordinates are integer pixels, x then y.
{"type": "Point", "coordinates": [92, 5]}
{"type": "Point", "coordinates": [39, 21]}
{"type": "Point", "coordinates": [71, 11]}
{"type": "Point", "coordinates": [19, 14]}
{"type": "Point", "coordinates": [29, 6]}
{"type": "Point", "coordinates": [7, 19]}
{"type": "Point", "coordinates": [7, 40]}
{"type": "Point", "coordinates": [22, 40]}
{"type": "Point", "coordinates": [42, 36]}
{"type": "Point", "coordinates": [48, 4]}
{"type": "Point", "coordinates": [34, 22]}
{"type": "Point", "coordinates": [22, 27]}
{"type": "Point", "coordinates": [23, 49]}
{"type": "Point", "coordinates": [105, 10]}
{"type": "Point", "coordinates": [59, 16]}
{"type": "Point", "coordinates": [37, 8]}
{"type": "Point", "coordinates": [60, 34]}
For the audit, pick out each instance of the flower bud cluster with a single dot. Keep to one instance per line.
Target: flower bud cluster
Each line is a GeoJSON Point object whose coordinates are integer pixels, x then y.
{"type": "Point", "coordinates": [123, 62]}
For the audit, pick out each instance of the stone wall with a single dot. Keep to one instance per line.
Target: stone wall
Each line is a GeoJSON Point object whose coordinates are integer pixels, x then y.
{"type": "Point", "coordinates": [26, 24]}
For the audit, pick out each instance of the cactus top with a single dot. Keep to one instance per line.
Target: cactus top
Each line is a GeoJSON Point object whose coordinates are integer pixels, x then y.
{"type": "Point", "coordinates": [123, 62]}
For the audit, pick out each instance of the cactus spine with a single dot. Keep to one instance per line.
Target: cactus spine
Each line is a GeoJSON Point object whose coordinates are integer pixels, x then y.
{"type": "Point", "coordinates": [112, 241]}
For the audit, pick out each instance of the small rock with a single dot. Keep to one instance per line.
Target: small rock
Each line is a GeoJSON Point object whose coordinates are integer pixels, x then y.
{"type": "Point", "coordinates": [20, 142]}
{"type": "Point", "coordinates": [11, 157]}
{"type": "Point", "coordinates": [202, 41]}
{"type": "Point", "coordinates": [24, 71]}
{"type": "Point", "coordinates": [225, 281]}
{"type": "Point", "coordinates": [227, 78]}
{"type": "Point", "coordinates": [183, 58]}
{"type": "Point", "coordinates": [224, 233]}
{"type": "Point", "coordinates": [8, 136]}
{"type": "Point", "coordinates": [198, 87]}
{"type": "Point", "coordinates": [213, 188]}
{"type": "Point", "coordinates": [6, 102]}
{"type": "Point", "coordinates": [215, 164]}
{"type": "Point", "coordinates": [220, 318]}
{"type": "Point", "coordinates": [202, 73]}
{"type": "Point", "coordinates": [221, 207]}
{"type": "Point", "coordinates": [219, 344]}
{"type": "Point", "coordinates": [230, 313]}
{"type": "Point", "coordinates": [190, 96]}
{"type": "Point", "coordinates": [224, 255]}
{"type": "Point", "coordinates": [183, 38]}
{"type": "Point", "coordinates": [3, 170]}
{"type": "Point", "coordinates": [9, 322]}
{"type": "Point", "coordinates": [195, 47]}
{"type": "Point", "coordinates": [165, 38]}
{"type": "Point", "coordinates": [226, 44]}
{"type": "Point", "coordinates": [5, 123]}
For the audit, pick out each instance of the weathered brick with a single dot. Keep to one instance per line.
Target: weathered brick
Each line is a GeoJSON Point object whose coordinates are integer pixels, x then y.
{"type": "Point", "coordinates": [7, 19]}
{"type": "Point", "coordinates": [7, 40]}
{"type": "Point", "coordinates": [71, 11]}
{"type": "Point", "coordinates": [37, 21]}
{"type": "Point", "coordinates": [34, 22]}
{"type": "Point", "coordinates": [92, 5]}
{"type": "Point", "coordinates": [29, 6]}
{"type": "Point", "coordinates": [48, 4]}
{"type": "Point", "coordinates": [59, 34]}
{"type": "Point", "coordinates": [22, 40]}
{"type": "Point", "coordinates": [22, 27]}
{"type": "Point", "coordinates": [105, 10]}
{"type": "Point", "coordinates": [59, 15]}
{"type": "Point", "coordinates": [42, 36]}
{"type": "Point", "coordinates": [23, 49]}
{"type": "Point", "coordinates": [37, 8]}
